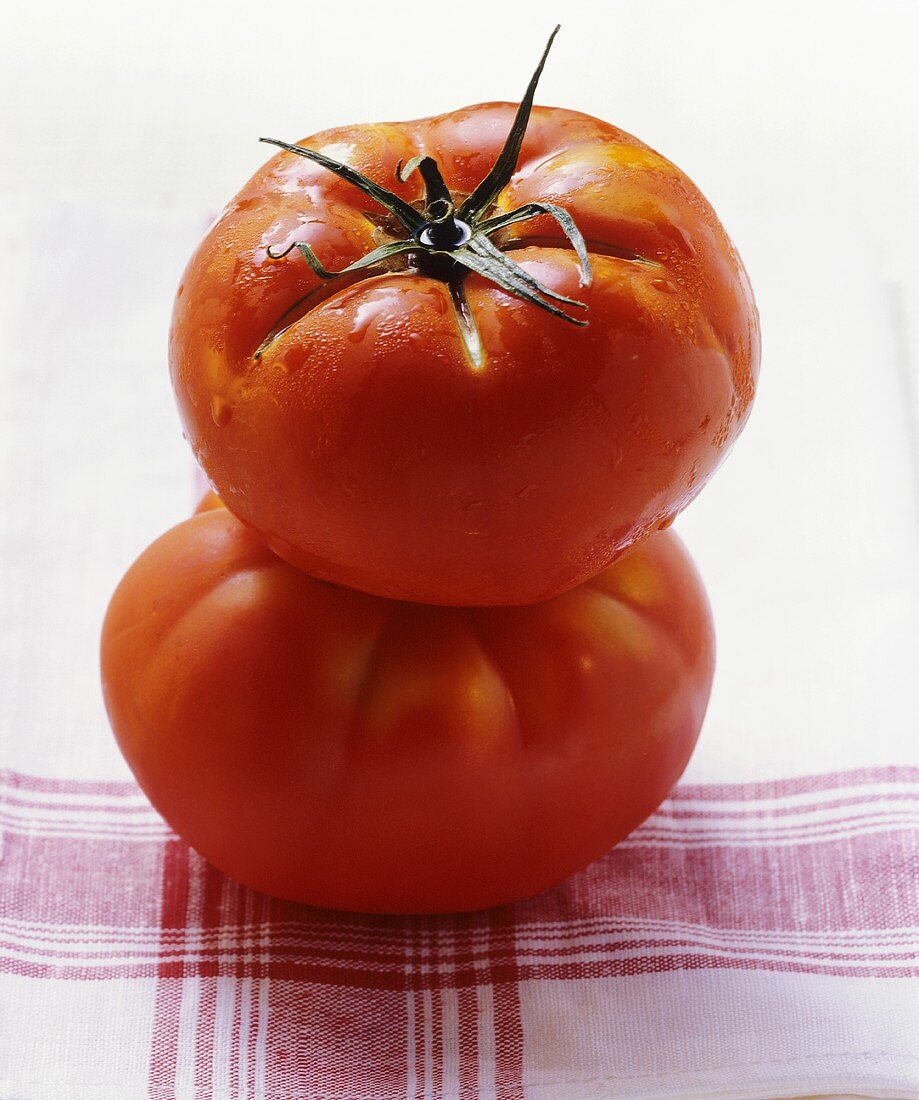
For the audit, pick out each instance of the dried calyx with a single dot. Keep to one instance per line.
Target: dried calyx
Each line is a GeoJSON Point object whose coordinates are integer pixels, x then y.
{"type": "Point", "coordinates": [447, 241]}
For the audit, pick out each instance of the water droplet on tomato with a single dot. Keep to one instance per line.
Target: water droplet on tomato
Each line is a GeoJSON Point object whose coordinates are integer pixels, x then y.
{"type": "Point", "coordinates": [437, 298]}
{"type": "Point", "coordinates": [664, 286]}
{"type": "Point", "coordinates": [688, 247]}
{"type": "Point", "coordinates": [360, 326]}
{"type": "Point", "coordinates": [367, 312]}
{"type": "Point", "coordinates": [221, 411]}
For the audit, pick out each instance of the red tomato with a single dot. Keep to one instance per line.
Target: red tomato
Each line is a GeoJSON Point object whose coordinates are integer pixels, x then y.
{"type": "Point", "coordinates": [347, 420]}
{"type": "Point", "coordinates": [336, 748]}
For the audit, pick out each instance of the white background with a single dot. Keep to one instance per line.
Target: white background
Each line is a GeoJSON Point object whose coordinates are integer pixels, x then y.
{"type": "Point", "coordinates": [125, 127]}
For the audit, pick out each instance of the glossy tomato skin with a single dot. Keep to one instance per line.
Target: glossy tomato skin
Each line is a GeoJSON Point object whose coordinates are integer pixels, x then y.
{"type": "Point", "coordinates": [365, 447]}
{"type": "Point", "coordinates": [336, 748]}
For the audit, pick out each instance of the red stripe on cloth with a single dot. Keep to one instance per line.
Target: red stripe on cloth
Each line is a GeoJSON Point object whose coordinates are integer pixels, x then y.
{"type": "Point", "coordinates": [174, 918]}
{"type": "Point", "coordinates": [415, 1021]}
{"type": "Point", "coordinates": [716, 792]}
{"type": "Point", "coordinates": [662, 964]}
{"type": "Point", "coordinates": [437, 1012]}
{"type": "Point", "coordinates": [802, 784]}
{"type": "Point", "coordinates": [80, 882]}
{"type": "Point", "coordinates": [868, 881]}
{"type": "Point", "coordinates": [42, 785]}
{"type": "Point", "coordinates": [468, 1018]}
{"type": "Point", "coordinates": [505, 979]}
{"type": "Point", "coordinates": [675, 811]}
{"type": "Point", "coordinates": [103, 900]}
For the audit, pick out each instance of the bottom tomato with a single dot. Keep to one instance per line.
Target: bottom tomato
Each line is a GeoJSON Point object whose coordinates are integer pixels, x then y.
{"type": "Point", "coordinates": [332, 747]}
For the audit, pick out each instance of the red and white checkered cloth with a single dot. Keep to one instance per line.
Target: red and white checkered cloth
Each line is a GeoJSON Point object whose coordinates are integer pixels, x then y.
{"type": "Point", "coordinates": [763, 934]}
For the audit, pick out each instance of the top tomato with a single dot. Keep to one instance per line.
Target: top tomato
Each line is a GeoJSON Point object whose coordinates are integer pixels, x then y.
{"type": "Point", "coordinates": [422, 431]}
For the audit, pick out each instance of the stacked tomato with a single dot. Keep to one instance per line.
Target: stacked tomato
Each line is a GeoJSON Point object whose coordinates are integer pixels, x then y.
{"type": "Point", "coordinates": [452, 379]}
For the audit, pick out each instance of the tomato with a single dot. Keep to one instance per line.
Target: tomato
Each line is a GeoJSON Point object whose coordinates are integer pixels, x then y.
{"type": "Point", "coordinates": [208, 502]}
{"type": "Point", "coordinates": [417, 430]}
{"type": "Point", "coordinates": [329, 746]}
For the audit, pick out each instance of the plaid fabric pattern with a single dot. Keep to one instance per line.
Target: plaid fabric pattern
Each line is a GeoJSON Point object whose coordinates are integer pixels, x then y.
{"type": "Point", "coordinates": [812, 880]}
